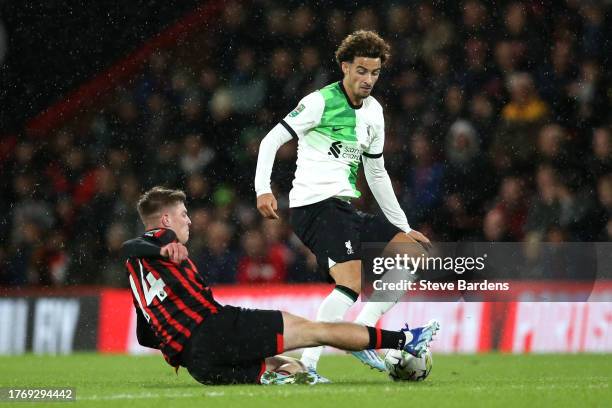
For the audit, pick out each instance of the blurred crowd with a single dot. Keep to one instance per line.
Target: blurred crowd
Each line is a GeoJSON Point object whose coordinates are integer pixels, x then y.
{"type": "Point", "coordinates": [498, 128]}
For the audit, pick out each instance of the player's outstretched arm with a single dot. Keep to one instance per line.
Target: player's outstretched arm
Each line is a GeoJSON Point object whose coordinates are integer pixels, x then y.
{"type": "Point", "coordinates": [382, 189]}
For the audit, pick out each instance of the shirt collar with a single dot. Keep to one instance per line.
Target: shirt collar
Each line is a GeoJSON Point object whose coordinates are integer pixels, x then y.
{"type": "Point", "coordinates": [341, 85]}
{"type": "Point", "coordinates": [163, 235]}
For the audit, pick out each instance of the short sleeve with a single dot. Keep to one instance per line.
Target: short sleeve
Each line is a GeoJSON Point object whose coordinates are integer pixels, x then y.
{"type": "Point", "coordinates": [305, 116]}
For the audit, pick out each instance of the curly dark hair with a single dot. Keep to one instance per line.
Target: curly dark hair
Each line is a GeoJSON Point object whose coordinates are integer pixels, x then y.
{"type": "Point", "coordinates": [363, 43]}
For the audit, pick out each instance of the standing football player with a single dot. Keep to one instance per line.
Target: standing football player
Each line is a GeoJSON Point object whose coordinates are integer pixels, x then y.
{"type": "Point", "coordinates": [337, 127]}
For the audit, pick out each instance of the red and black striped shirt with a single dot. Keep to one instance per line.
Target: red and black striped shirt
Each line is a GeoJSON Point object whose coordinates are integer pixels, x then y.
{"type": "Point", "coordinates": [173, 299]}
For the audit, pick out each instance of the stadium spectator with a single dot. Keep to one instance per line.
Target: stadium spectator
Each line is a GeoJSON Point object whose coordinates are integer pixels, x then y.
{"type": "Point", "coordinates": [521, 117]}
{"type": "Point", "coordinates": [191, 120]}
{"type": "Point", "coordinates": [544, 210]}
{"type": "Point", "coordinates": [589, 92]}
{"type": "Point", "coordinates": [511, 204]}
{"type": "Point", "coordinates": [51, 260]}
{"type": "Point", "coordinates": [28, 208]}
{"type": "Point", "coordinates": [23, 260]}
{"type": "Point", "coordinates": [259, 263]}
{"type": "Point", "coordinates": [604, 195]}
{"type": "Point", "coordinates": [196, 156]}
{"type": "Point", "coordinates": [600, 160]}
{"type": "Point", "coordinates": [124, 208]}
{"type": "Point", "coordinates": [576, 215]}
{"type": "Point", "coordinates": [555, 77]}
{"type": "Point", "coordinates": [310, 75]}
{"type": "Point", "coordinates": [304, 263]}
{"type": "Point", "coordinates": [593, 32]}
{"type": "Point", "coordinates": [495, 227]}
{"type": "Point", "coordinates": [550, 147]}
{"type": "Point", "coordinates": [477, 75]}
{"type": "Point", "coordinates": [279, 87]}
{"type": "Point", "coordinates": [475, 20]}
{"type": "Point", "coordinates": [424, 179]}
{"type": "Point", "coordinates": [200, 222]}
{"type": "Point", "coordinates": [482, 116]}
{"type": "Point", "coordinates": [525, 105]}
{"type": "Point", "coordinates": [218, 260]}
{"type": "Point", "coordinates": [246, 85]}
{"type": "Point", "coordinates": [468, 172]}
{"type": "Point", "coordinates": [113, 264]}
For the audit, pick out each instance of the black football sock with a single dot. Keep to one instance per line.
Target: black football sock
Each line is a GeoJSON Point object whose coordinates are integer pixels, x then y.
{"type": "Point", "coordinates": [386, 339]}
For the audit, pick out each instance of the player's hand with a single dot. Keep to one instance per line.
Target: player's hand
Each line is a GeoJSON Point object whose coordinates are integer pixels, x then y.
{"type": "Point", "coordinates": [267, 206]}
{"type": "Point", "coordinates": [420, 238]}
{"type": "Point", "coordinates": [174, 251]}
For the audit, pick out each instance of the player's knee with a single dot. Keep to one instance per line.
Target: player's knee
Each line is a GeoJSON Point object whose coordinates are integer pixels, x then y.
{"type": "Point", "coordinates": [300, 332]}
{"type": "Point", "coordinates": [292, 322]}
{"type": "Point", "coordinates": [348, 274]}
{"type": "Point", "coordinates": [403, 243]}
{"type": "Point", "coordinates": [353, 284]}
{"type": "Point", "coordinates": [401, 237]}
{"type": "Point", "coordinates": [350, 281]}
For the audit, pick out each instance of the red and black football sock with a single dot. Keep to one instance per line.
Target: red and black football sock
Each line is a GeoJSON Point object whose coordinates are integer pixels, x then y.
{"type": "Point", "coordinates": [386, 339]}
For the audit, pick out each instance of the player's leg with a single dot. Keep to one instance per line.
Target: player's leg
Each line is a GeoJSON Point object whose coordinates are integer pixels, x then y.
{"type": "Point", "coordinates": [347, 276]}
{"type": "Point", "coordinates": [332, 309]}
{"type": "Point", "coordinates": [233, 346]}
{"type": "Point", "coordinates": [300, 332]}
{"type": "Point", "coordinates": [379, 229]}
{"type": "Point", "coordinates": [373, 311]}
{"type": "Point", "coordinates": [337, 303]}
{"type": "Point", "coordinates": [329, 229]}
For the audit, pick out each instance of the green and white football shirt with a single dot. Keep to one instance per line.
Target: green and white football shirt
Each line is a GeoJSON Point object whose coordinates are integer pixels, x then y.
{"type": "Point", "coordinates": [332, 136]}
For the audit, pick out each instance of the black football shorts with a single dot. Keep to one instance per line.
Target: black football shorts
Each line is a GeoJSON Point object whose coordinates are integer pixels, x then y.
{"type": "Point", "coordinates": [230, 347]}
{"type": "Point", "coordinates": [334, 230]}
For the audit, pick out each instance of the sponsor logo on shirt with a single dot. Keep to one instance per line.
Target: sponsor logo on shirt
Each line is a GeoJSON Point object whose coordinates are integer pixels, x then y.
{"type": "Point", "coordinates": [334, 149]}
{"type": "Point", "coordinates": [344, 152]}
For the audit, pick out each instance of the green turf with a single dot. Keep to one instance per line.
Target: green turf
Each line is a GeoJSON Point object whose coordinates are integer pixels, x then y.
{"type": "Point", "coordinates": [493, 380]}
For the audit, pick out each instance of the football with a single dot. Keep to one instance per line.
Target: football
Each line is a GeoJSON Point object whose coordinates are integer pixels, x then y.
{"type": "Point", "coordinates": [403, 366]}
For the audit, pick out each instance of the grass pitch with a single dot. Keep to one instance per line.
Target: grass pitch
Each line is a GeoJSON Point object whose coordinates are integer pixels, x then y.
{"type": "Point", "coordinates": [493, 380]}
